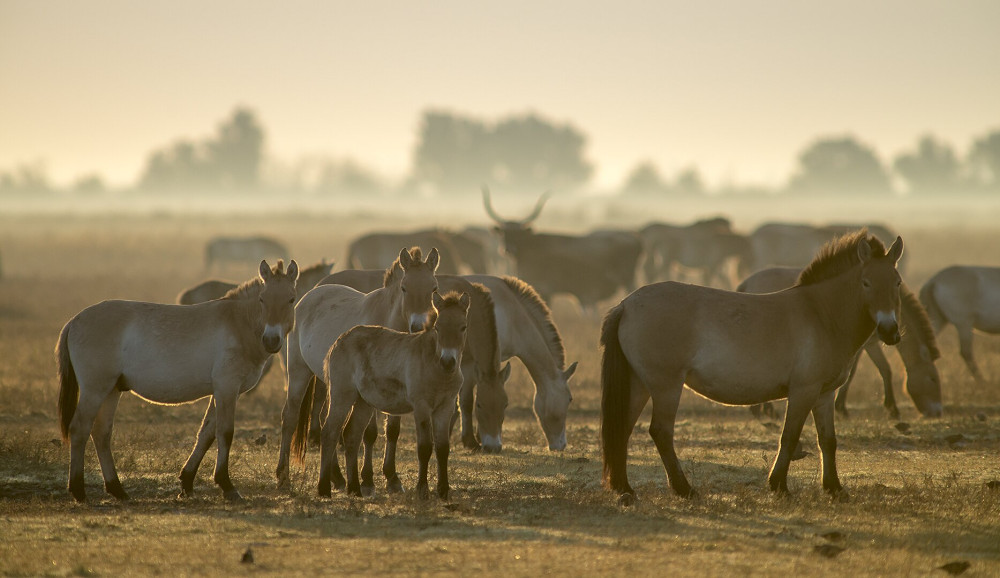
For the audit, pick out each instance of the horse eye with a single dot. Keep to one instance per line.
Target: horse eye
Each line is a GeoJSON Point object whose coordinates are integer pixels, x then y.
{"type": "Point", "coordinates": [403, 289]}
{"type": "Point", "coordinates": [866, 283]}
{"type": "Point", "coordinates": [463, 328]}
{"type": "Point", "coordinates": [292, 300]}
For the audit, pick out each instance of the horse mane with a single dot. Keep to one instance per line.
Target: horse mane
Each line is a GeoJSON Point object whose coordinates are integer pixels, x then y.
{"type": "Point", "coordinates": [452, 299]}
{"type": "Point", "coordinates": [541, 315]}
{"type": "Point", "coordinates": [916, 319]}
{"type": "Point", "coordinates": [839, 255]}
{"type": "Point", "coordinates": [251, 287]}
{"type": "Point", "coordinates": [486, 318]}
{"type": "Point", "coordinates": [394, 273]}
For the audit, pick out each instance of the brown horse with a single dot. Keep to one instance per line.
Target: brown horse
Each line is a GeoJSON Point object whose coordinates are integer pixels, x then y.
{"type": "Point", "coordinates": [917, 347]}
{"type": "Point", "coordinates": [374, 368]}
{"type": "Point", "coordinates": [168, 354]}
{"type": "Point", "coordinates": [744, 349]}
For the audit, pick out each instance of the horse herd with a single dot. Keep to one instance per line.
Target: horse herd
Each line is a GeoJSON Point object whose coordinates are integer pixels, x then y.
{"type": "Point", "coordinates": [410, 338]}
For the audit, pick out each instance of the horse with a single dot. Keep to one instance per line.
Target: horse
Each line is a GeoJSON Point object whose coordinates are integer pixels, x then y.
{"type": "Point", "coordinates": [216, 288]}
{"type": "Point", "coordinates": [377, 250]}
{"type": "Point", "coordinates": [705, 246]}
{"type": "Point", "coordinates": [373, 368]}
{"type": "Point", "coordinates": [969, 298]}
{"type": "Point", "coordinates": [482, 363]}
{"type": "Point", "coordinates": [794, 244]}
{"type": "Point", "coordinates": [744, 349]}
{"type": "Point", "coordinates": [222, 250]}
{"type": "Point", "coordinates": [168, 354]}
{"type": "Point", "coordinates": [524, 329]}
{"type": "Point", "coordinates": [917, 347]}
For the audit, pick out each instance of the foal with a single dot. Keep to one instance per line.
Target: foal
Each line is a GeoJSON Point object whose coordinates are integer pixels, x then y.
{"type": "Point", "coordinates": [374, 368]}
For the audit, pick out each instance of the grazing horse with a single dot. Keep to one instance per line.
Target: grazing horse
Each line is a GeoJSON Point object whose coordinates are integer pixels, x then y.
{"type": "Point", "coordinates": [374, 368]}
{"type": "Point", "coordinates": [482, 360]}
{"type": "Point", "coordinates": [917, 347]}
{"type": "Point", "coordinates": [744, 349]}
{"type": "Point", "coordinates": [968, 298]}
{"type": "Point", "coordinates": [222, 250]}
{"type": "Point", "coordinates": [168, 354]}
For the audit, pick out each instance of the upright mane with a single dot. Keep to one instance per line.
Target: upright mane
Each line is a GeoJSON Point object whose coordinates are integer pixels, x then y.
{"type": "Point", "coordinates": [541, 315]}
{"type": "Point", "coordinates": [916, 319]}
{"type": "Point", "coordinates": [394, 274]}
{"type": "Point", "coordinates": [251, 287]}
{"type": "Point", "coordinates": [838, 256]}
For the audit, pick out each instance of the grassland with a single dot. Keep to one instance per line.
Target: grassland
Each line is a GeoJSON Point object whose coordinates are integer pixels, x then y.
{"type": "Point", "coordinates": [917, 501]}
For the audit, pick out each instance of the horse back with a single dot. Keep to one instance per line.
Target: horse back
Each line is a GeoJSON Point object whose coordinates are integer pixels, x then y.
{"type": "Point", "coordinates": [965, 296]}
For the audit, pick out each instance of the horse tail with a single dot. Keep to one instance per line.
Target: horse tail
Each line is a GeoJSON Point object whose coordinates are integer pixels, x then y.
{"type": "Point", "coordinates": [300, 439]}
{"type": "Point", "coordinates": [615, 395]}
{"type": "Point", "coordinates": [69, 387]}
{"type": "Point", "coordinates": [934, 313]}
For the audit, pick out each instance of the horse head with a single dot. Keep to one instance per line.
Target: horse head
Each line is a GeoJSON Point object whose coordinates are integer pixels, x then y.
{"type": "Point", "coordinates": [880, 283]}
{"type": "Point", "coordinates": [451, 325]}
{"type": "Point", "coordinates": [551, 406]}
{"type": "Point", "coordinates": [277, 303]}
{"type": "Point", "coordinates": [416, 286]}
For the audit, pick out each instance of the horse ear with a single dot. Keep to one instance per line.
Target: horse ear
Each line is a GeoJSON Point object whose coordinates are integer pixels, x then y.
{"type": "Point", "coordinates": [404, 258]}
{"type": "Point", "coordinates": [293, 270]}
{"type": "Point", "coordinates": [505, 373]}
{"type": "Point", "coordinates": [433, 258]}
{"type": "Point", "coordinates": [265, 271]}
{"type": "Point", "coordinates": [437, 300]}
{"type": "Point", "coordinates": [569, 371]}
{"type": "Point", "coordinates": [465, 301]}
{"type": "Point", "coordinates": [864, 251]}
{"type": "Point", "coordinates": [896, 250]}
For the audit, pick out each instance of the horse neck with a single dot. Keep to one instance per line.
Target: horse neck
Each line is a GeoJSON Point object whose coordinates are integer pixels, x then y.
{"type": "Point", "coordinates": [246, 315]}
{"type": "Point", "coordinates": [838, 303]}
{"type": "Point", "coordinates": [384, 306]}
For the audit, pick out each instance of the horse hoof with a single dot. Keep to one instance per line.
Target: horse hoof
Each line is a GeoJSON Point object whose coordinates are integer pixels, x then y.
{"type": "Point", "coordinates": [423, 493]}
{"type": "Point", "coordinates": [471, 444]}
{"type": "Point", "coordinates": [443, 493]}
{"type": "Point", "coordinates": [367, 491]}
{"type": "Point", "coordinates": [78, 491]}
{"type": "Point", "coordinates": [394, 486]}
{"type": "Point", "coordinates": [233, 496]}
{"type": "Point", "coordinates": [840, 496]}
{"type": "Point", "coordinates": [626, 500]}
{"type": "Point", "coordinates": [115, 488]}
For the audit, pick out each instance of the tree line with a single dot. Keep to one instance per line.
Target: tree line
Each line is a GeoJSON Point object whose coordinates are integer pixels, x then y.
{"type": "Point", "coordinates": [456, 154]}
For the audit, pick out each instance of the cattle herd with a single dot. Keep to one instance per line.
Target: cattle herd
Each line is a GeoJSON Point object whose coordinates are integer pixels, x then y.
{"type": "Point", "coordinates": [423, 322]}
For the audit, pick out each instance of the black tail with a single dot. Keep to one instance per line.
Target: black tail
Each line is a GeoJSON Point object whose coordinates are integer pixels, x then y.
{"type": "Point", "coordinates": [69, 388]}
{"type": "Point", "coordinates": [300, 439]}
{"type": "Point", "coordinates": [615, 396]}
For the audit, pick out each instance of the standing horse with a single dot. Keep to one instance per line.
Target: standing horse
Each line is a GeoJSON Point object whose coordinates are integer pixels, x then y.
{"type": "Point", "coordinates": [744, 349]}
{"type": "Point", "coordinates": [968, 298]}
{"type": "Point", "coordinates": [917, 347]}
{"type": "Point", "coordinates": [168, 354]}
{"type": "Point", "coordinates": [374, 368]}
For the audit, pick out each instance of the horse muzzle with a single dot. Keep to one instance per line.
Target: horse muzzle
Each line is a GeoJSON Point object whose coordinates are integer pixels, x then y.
{"type": "Point", "coordinates": [491, 445]}
{"type": "Point", "coordinates": [932, 410]}
{"type": "Point", "coordinates": [558, 444]}
{"type": "Point", "coordinates": [887, 328]}
{"type": "Point", "coordinates": [271, 339]}
{"type": "Point", "coordinates": [418, 322]}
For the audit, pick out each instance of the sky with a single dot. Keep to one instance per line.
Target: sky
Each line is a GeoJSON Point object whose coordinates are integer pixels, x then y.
{"type": "Point", "coordinates": [736, 88]}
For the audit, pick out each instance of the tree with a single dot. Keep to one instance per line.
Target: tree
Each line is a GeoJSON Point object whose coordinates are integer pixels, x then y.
{"type": "Point", "coordinates": [230, 160]}
{"type": "Point", "coordinates": [932, 168]}
{"type": "Point", "coordinates": [26, 179]}
{"type": "Point", "coordinates": [839, 165]}
{"type": "Point", "coordinates": [645, 179]}
{"type": "Point", "coordinates": [527, 152]}
{"type": "Point", "coordinates": [984, 161]}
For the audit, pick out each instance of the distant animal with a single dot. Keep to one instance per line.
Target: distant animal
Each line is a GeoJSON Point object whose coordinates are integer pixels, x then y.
{"type": "Point", "coordinates": [745, 349]}
{"type": "Point", "coordinates": [794, 244]}
{"type": "Point", "coordinates": [917, 347]}
{"type": "Point", "coordinates": [379, 250]}
{"type": "Point", "coordinates": [216, 288]}
{"type": "Point", "coordinates": [494, 259]}
{"type": "Point", "coordinates": [592, 267]}
{"type": "Point", "coordinates": [969, 298]}
{"type": "Point", "coordinates": [168, 354]}
{"type": "Point", "coordinates": [524, 329]}
{"type": "Point", "coordinates": [705, 246]}
{"type": "Point", "coordinates": [241, 250]}
{"type": "Point", "coordinates": [374, 368]}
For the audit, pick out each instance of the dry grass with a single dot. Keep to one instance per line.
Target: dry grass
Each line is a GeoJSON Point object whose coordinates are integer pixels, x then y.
{"type": "Point", "coordinates": [917, 501]}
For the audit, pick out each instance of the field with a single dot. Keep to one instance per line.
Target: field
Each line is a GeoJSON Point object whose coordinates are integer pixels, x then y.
{"type": "Point", "coordinates": [917, 501]}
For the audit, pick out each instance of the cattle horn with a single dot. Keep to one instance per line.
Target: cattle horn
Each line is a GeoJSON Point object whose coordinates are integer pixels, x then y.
{"type": "Point", "coordinates": [489, 206]}
{"type": "Point", "coordinates": [538, 208]}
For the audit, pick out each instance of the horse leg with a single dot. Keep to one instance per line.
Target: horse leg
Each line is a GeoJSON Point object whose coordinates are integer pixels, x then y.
{"type": "Point", "coordinates": [79, 430]}
{"type": "Point", "coordinates": [826, 436]}
{"type": "Point", "coordinates": [442, 425]}
{"type": "Point", "coordinates": [799, 405]}
{"type": "Point", "coordinates": [361, 417]}
{"type": "Point", "coordinates": [467, 401]}
{"type": "Point", "coordinates": [320, 407]}
{"type": "Point", "coordinates": [204, 441]}
{"type": "Point", "coordinates": [368, 469]}
{"type": "Point", "coordinates": [885, 370]}
{"type": "Point", "coordinates": [392, 483]}
{"type": "Point", "coordinates": [224, 430]}
{"type": "Point", "coordinates": [341, 406]}
{"type": "Point", "coordinates": [425, 447]}
{"type": "Point", "coordinates": [661, 429]}
{"type": "Point", "coordinates": [101, 434]}
{"type": "Point", "coordinates": [841, 403]}
{"type": "Point", "coordinates": [965, 348]}
{"type": "Point", "coordinates": [299, 376]}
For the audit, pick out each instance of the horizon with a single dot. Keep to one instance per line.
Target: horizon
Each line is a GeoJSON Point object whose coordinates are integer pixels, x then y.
{"type": "Point", "coordinates": [736, 91]}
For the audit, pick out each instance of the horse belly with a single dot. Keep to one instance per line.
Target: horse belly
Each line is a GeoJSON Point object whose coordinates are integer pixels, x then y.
{"type": "Point", "coordinates": [182, 376]}
{"type": "Point", "coordinates": [385, 394]}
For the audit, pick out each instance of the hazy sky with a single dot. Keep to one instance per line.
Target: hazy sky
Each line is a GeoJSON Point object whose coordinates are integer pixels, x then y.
{"type": "Point", "coordinates": [737, 88]}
